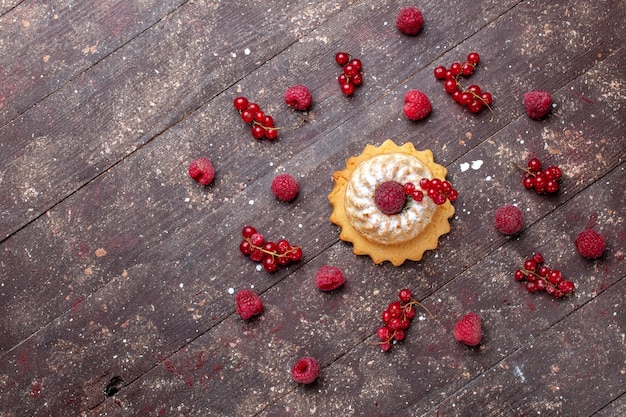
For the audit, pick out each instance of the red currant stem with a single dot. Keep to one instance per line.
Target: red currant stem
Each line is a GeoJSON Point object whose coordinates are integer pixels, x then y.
{"type": "Point", "coordinates": [526, 170]}
{"type": "Point", "coordinates": [272, 254]}
{"type": "Point", "coordinates": [417, 303]}
{"type": "Point", "coordinates": [303, 120]}
{"type": "Point", "coordinates": [546, 281]}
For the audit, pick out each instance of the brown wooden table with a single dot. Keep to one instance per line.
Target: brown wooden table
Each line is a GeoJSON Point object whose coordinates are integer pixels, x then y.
{"type": "Point", "coordinates": [115, 264]}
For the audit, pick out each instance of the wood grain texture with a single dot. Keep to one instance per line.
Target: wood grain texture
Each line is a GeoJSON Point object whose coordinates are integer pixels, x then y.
{"type": "Point", "coordinates": [115, 263]}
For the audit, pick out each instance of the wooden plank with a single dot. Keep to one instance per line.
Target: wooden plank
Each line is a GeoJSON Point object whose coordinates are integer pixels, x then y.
{"type": "Point", "coordinates": [134, 95]}
{"type": "Point", "coordinates": [209, 300]}
{"type": "Point", "coordinates": [46, 44]}
{"type": "Point", "coordinates": [119, 247]}
{"type": "Point", "coordinates": [123, 223]}
{"type": "Point", "coordinates": [574, 369]}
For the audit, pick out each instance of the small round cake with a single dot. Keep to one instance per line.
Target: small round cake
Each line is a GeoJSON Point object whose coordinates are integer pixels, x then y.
{"type": "Point", "coordinates": [392, 232]}
{"type": "Point", "coordinates": [367, 218]}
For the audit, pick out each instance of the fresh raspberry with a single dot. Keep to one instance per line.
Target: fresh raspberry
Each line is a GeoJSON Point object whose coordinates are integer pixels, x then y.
{"type": "Point", "coordinates": [284, 187]}
{"type": "Point", "coordinates": [538, 103]}
{"type": "Point", "coordinates": [509, 220]}
{"type": "Point", "coordinates": [409, 20]}
{"type": "Point", "coordinates": [329, 278]}
{"type": "Point", "coordinates": [248, 304]}
{"type": "Point", "coordinates": [416, 105]}
{"type": "Point", "coordinates": [306, 370]}
{"type": "Point", "coordinates": [468, 330]}
{"type": "Point", "coordinates": [298, 97]}
{"type": "Point", "coordinates": [202, 171]}
{"type": "Point", "coordinates": [590, 244]}
{"type": "Point", "coordinates": [390, 197]}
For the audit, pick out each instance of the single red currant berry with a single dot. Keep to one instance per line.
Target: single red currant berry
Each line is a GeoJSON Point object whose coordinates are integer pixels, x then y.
{"type": "Point", "coordinates": [357, 79]}
{"type": "Point", "coordinates": [440, 72]}
{"type": "Point", "coordinates": [241, 103]}
{"type": "Point", "coordinates": [465, 98]}
{"type": "Point", "coordinates": [384, 333]}
{"type": "Point", "coordinates": [342, 58]}
{"type": "Point", "coordinates": [538, 257]}
{"type": "Point", "coordinates": [455, 68]}
{"type": "Point", "coordinates": [475, 106]}
{"type": "Point", "coordinates": [257, 255]}
{"type": "Point", "coordinates": [408, 188]}
{"type": "Point", "coordinates": [530, 265]}
{"type": "Point", "coordinates": [425, 183]}
{"type": "Point", "coordinates": [247, 116]}
{"type": "Point", "coordinates": [555, 171]}
{"type": "Point", "coordinates": [257, 239]}
{"type": "Point", "coordinates": [519, 275]}
{"type": "Point", "coordinates": [258, 131]}
{"type": "Point", "coordinates": [399, 335]}
{"type": "Point", "coordinates": [350, 70]}
{"type": "Point", "coordinates": [453, 195]}
{"type": "Point", "coordinates": [531, 286]}
{"type": "Point", "coordinates": [386, 316]}
{"type": "Point", "coordinates": [271, 133]}
{"type": "Point", "coordinates": [405, 295]}
{"type": "Point", "coordinates": [385, 347]}
{"type": "Point", "coordinates": [439, 199]}
{"type": "Point", "coordinates": [270, 264]}
{"type": "Point", "coordinates": [342, 78]}
{"type": "Point", "coordinates": [450, 86]}
{"type": "Point", "coordinates": [552, 186]}
{"type": "Point", "coordinates": [283, 260]}
{"type": "Point", "coordinates": [555, 277]}
{"type": "Point", "coordinates": [540, 285]}
{"type": "Point", "coordinates": [282, 246]}
{"type": "Point", "coordinates": [395, 309]}
{"type": "Point", "coordinates": [529, 182]}
{"type": "Point", "coordinates": [347, 88]}
{"type": "Point", "coordinates": [467, 69]}
{"type": "Point", "coordinates": [417, 195]}
{"type": "Point", "coordinates": [254, 107]}
{"type": "Point", "coordinates": [356, 63]}
{"type": "Point", "coordinates": [248, 231]}
{"type": "Point", "coordinates": [475, 90]}
{"type": "Point", "coordinates": [295, 254]}
{"type": "Point", "coordinates": [566, 286]}
{"type": "Point", "coordinates": [534, 164]}
{"type": "Point", "coordinates": [487, 98]}
{"type": "Point", "coordinates": [473, 58]}
{"type": "Point", "coordinates": [245, 247]}
{"type": "Point", "coordinates": [543, 271]}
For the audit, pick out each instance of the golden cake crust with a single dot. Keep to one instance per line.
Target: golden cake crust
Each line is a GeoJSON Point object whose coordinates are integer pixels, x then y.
{"type": "Point", "coordinates": [400, 245]}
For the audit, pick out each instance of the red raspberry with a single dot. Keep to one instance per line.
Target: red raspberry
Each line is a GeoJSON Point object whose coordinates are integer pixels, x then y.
{"type": "Point", "coordinates": [509, 220]}
{"type": "Point", "coordinates": [284, 187]}
{"type": "Point", "coordinates": [416, 105]}
{"type": "Point", "coordinates": [298, 97]}
{"type": "Point", "coordinates": [538, 103]}
{"type": "Point", "coordinates": [329, 278]}
{"type": "Point", "coordinates": [468, 330]}
{"type": "Point", "coordinates": [306, 370]}
{"type": "Point", "coordinates": [390, 197]}
{"type": "Point", "coordinates": [590, 244]}
{"type": "Point", "coordinates": [248, 304]}
{"type": "Point", "coordinates": [409, 20]}
{"type": "Point", "coordinates": [202, 171]}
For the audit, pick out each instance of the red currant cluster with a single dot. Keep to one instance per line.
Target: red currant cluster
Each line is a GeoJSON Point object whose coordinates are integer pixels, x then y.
{"type": "Point", "coordinates": [397, 318]}
{"type": "Point", "coordinates": [262, 124]}
{"type": "Point", "coordinates": [270, 254]}
{"type": "Point", "coordinates": [351, 76]}
{"type": "Point", "coordinates": [542, 181]}
{"type": "Point", "coordinates": [471, 97]}
{"type": "Point", "coordinates": [439, 191]}
{"type": "Point", "coordinates": [539, 277]}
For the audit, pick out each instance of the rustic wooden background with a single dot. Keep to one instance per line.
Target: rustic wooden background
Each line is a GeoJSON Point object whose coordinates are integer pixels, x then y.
{"type": "Point", "coordinates": [114, 263]}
